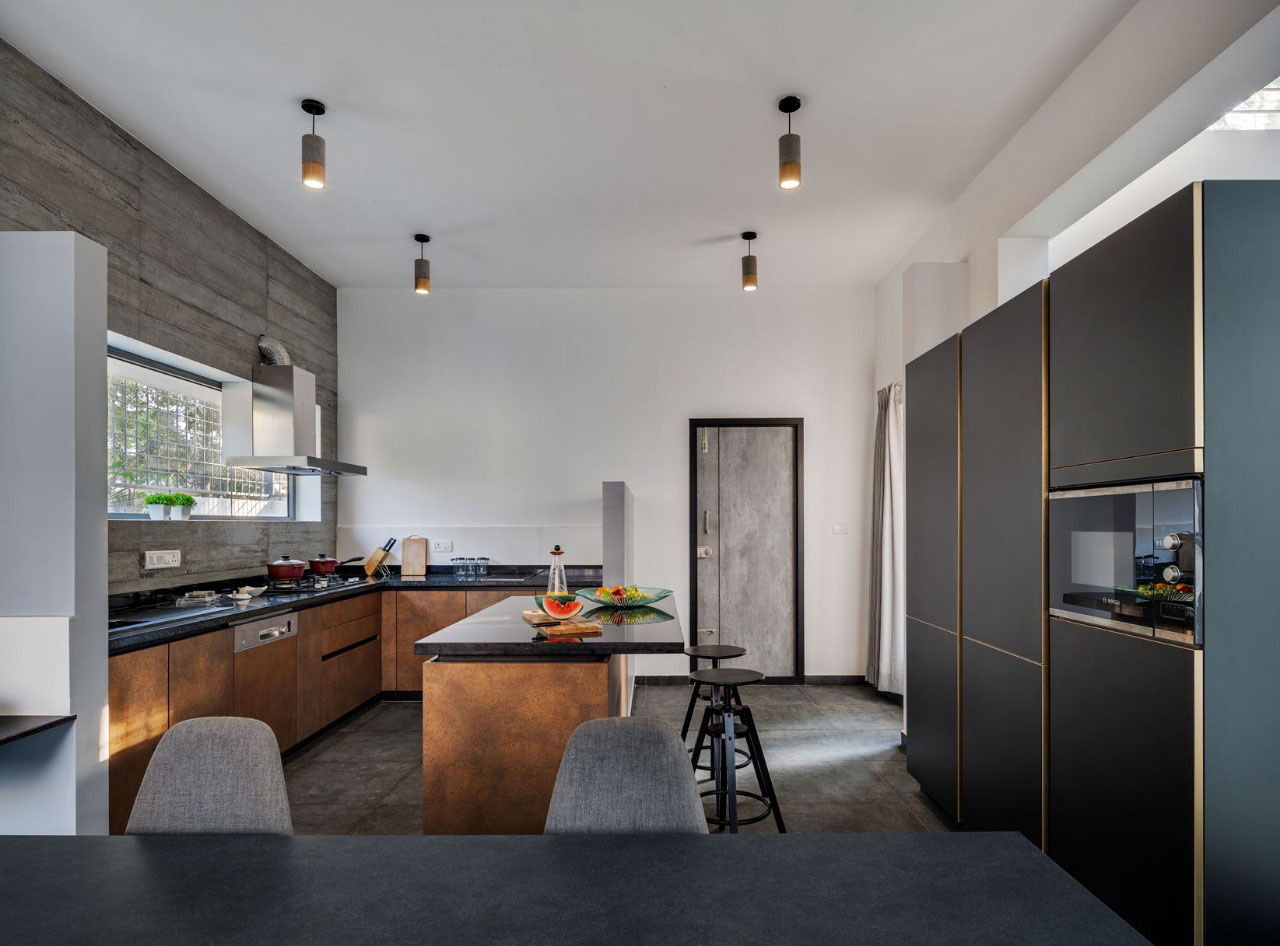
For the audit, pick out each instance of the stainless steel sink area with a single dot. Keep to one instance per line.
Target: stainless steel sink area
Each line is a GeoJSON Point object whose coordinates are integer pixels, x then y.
{"type": "Point", "coordinates": [156, 615]}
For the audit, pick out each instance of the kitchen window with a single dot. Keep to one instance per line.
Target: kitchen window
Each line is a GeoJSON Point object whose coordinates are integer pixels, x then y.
{"type": "Point", "coordinates": [164, 435]}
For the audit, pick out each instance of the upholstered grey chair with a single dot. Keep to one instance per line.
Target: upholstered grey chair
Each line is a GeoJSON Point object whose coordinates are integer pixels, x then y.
{"type": "Point", "coordinates": [213, 775]}
{"type": "Point", "coordinates": [625, 775]}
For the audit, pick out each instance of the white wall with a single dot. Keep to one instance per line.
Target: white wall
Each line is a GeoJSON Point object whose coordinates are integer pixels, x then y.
{"type": "Point", "coordinates": [494, 415]}
{"type": "Point", "coordinates": [1166, 72]}
{"type": "Point", "coordinates": [1211, 155]}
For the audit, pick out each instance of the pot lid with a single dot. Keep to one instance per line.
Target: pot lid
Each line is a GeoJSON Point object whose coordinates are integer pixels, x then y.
{"type": "Point", "coordinates": [286, 560]}
{"type": "Point", "coordinates": [323, 557]}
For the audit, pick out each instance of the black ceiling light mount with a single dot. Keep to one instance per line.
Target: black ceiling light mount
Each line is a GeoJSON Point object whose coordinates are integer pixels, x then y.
{"type": "Point", "coordinates": [750, 279]}
{"type": "Point", "coordinates": [313, 148]}
{"type": "Point", "coordinates": [789, 147]}
{"type": "Point", "coordinates": [422, 266]}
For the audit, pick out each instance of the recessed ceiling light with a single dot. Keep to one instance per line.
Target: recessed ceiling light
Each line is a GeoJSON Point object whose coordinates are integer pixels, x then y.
{"type": "Point", "coordinates": [750, 281]}
{"type": "Point", "coordinates": [789, 148]}
{"type": "Point", "coordinates": [422, 266]}
{"type": "Point", "coordinates": [313, 148]}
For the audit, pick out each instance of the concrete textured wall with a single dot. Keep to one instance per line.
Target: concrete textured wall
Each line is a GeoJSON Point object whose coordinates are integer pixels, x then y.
{"type": "Point", "coordinates": [184, 274]}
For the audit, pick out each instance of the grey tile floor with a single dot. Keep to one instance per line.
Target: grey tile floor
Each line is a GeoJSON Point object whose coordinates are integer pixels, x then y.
{"type": "Point", "coordinates": [833, 752]}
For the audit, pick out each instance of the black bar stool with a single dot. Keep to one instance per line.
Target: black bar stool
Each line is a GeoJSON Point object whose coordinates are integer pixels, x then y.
{"type": "Point", "coordinates": [726, 720]}
{"type": "Point", "coordinates": [715, 653]}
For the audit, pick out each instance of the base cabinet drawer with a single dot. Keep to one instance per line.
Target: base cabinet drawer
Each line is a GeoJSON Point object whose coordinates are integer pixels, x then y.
{"type": "Point", "coordinates": [351, 677]}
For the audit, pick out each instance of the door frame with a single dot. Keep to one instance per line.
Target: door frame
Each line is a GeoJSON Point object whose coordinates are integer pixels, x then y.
{"type": "Point", "coordinates": [797, 426]}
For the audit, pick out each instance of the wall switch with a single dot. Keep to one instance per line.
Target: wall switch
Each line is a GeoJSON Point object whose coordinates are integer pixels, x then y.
{"type": "Point", "coordinates": [168, 558]}
{"type": "Point", "coordinates": [839, 528]}
{"type": "Point", "coordinates": [442, 545]}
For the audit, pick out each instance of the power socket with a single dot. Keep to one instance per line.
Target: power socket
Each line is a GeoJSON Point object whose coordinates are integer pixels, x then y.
{"type": "Point", "coordinates": [167, 558]}
{"type": "Point", "coordinates": [442, 545]}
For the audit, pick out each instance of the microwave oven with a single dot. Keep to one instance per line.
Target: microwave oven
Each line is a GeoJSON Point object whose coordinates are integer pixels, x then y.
{"type": "Point", "coordinates": [1129, 558]}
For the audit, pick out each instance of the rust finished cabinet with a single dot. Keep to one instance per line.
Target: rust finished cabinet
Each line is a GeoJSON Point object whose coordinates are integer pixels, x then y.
{"type": "Point", "coordinates": [419, 613]}
{"type": "Point", "coordinates": [138, 697]}
{"type": "Point", "coordinates": [200, 676]}
{"type": "Point", "coordinates": [266, 687]}
{"type": "Point", "coordinates": [339, 660]}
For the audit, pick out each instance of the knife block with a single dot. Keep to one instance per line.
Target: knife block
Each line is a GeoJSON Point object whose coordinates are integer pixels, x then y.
{"type": "Point", "coordinates": [372, 563]}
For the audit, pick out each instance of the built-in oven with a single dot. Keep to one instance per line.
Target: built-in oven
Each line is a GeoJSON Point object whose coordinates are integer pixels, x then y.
{"type": "Point", "coordinates": [1128, 557]}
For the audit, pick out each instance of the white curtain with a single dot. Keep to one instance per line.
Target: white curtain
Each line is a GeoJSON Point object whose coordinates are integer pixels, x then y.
{"type": "Point", "coordinates": [887, 654]}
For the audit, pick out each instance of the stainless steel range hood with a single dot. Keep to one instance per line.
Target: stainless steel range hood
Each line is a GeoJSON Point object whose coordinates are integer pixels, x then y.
{"type": "Point", "coordinates": [269, 424]}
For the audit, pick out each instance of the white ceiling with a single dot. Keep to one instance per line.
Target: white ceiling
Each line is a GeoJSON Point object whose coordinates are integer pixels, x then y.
{"type": "Point", "coordinates": [573, 143]}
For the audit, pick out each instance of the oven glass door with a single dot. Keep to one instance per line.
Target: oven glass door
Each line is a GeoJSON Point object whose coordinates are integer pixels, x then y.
{"type": "Point", "coordinates": [1127, 557]}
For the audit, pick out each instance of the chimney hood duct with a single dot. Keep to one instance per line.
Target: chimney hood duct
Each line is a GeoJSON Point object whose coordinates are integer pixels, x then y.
{"type": "Point", "coordinates": [269, 424]}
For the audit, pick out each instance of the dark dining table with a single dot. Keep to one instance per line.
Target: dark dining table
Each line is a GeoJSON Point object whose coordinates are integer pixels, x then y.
{"type": "Point", "coordinates": [599, 889]}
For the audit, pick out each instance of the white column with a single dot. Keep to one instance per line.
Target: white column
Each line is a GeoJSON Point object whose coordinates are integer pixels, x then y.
{"type": "Point", "coordinates": [53, 589]}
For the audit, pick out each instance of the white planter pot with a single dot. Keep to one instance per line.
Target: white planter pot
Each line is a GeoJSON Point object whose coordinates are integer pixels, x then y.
{"type": "Point", "coordinates": [157, 511]}
{"type": "Point", "coordinates": [180, 512]}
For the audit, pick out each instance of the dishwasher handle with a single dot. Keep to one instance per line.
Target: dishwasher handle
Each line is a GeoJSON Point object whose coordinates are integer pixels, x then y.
{"type": "Point", "coordinates": [257, 633]}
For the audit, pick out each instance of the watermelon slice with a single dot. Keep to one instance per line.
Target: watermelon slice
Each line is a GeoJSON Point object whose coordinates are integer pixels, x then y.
{"type": "Point", "coordinates": [561, 607]}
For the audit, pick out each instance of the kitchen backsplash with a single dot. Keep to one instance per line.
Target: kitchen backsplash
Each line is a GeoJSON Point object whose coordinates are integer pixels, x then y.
{"type": "Point", "coordinates": [504, 545]}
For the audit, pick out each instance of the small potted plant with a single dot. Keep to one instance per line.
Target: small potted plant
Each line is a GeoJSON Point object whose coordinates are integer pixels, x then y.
{"type": "Point", "coordinates": [157, 505]}
{"type": "Point", "coordinates": [180, 505]}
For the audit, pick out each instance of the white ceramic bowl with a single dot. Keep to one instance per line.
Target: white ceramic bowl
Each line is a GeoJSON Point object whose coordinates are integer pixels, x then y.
{"type": "Point", "coordinates": [253, 592]}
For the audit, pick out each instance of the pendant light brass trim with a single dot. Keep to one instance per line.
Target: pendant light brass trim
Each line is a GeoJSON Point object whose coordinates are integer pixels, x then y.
{"type": "Point", "coordinates": [313, 168]}
{"type": "Point", "coordinates": [422, 266]}
{"type": "Point", "coordinates": [750, 273]}
{"type": "Point", "coordinates": [789, 147]}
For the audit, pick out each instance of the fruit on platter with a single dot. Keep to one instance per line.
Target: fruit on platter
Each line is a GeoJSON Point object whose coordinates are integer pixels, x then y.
{"type": "Point", "coordinates": [560, 607]}
{"type": "Point", "coordinates": [620, 595]}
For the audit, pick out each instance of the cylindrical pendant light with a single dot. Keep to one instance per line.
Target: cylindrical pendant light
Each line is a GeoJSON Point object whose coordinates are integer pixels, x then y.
{"type": "Point", "coordinates": [750, 279]}
{"type": "Point", "coordinates": [789, 148]}
{"type": "Point", "coordinates": [422, 266]}
{"type": "Point", "coordinates": [313, 148]}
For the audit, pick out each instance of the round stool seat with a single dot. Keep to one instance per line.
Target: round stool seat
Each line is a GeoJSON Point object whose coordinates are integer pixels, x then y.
{"type": "Point", "coordinates": [727, 676]}
{"type": "Point", "coordinates": [714, 651]}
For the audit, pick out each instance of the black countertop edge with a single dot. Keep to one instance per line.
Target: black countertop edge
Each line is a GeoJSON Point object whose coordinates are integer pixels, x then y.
{"type": "Point", "coordinates": [201, 622]}
{"type": "Point", "coordinates": [585, 648]}
{"type": "Point", "coordinates": [13, 728]}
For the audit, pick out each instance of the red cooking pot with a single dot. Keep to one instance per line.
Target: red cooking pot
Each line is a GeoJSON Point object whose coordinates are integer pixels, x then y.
{"type": "Point", "coordinates": [324, 565]}
{"type": "Point", "coordinates": [286, 569]}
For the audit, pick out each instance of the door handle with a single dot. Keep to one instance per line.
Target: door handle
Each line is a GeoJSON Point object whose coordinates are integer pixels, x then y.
{"type": "Point", "coordinates": [270, 633]}
{"type": "Point", "coordinates": [708, 630]}
{"type": "Point", "coordinates": [706, 522]}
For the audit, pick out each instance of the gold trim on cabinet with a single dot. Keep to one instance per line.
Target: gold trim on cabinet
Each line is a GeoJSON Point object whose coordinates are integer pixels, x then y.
{"type": "Point", "coordinates": [1198, 794]}
{"type": "Point", "coordinates": [936, 627]}
{"type": "Point", "coordinates": [1199, 450]}
{"type": "Point", "coordinates": [1197, 296]}
{"type": "Point", "coordinates": [959, 578]}
{"type": "Point", "coordinates": [1044, 565]}
{"type": "Point", "coordinates": [1001, 650]}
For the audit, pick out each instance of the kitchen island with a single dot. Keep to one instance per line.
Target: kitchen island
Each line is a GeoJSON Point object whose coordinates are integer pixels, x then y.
{"type": "Point", "coordinates": [500, 700]}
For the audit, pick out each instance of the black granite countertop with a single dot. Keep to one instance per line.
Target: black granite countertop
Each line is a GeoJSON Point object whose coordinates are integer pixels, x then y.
{"type": "Point", "coordinates": [501, 631]}
{"type": "Point", "coordinates": [224, 612]}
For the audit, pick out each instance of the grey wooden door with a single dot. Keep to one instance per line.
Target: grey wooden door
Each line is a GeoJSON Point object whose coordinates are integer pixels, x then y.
{"type": "Point", "coordinates": [745, 531]}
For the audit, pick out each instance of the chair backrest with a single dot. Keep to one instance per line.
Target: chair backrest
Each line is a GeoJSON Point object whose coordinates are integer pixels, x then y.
{"type": "Point", "coordinates": [213, 775]}
{"type": "Point", "coordinates": [625, 775]}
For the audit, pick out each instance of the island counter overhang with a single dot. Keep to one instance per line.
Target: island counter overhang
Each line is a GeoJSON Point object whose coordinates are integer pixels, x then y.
{"type": "Point", "coordinates": [499, 705]}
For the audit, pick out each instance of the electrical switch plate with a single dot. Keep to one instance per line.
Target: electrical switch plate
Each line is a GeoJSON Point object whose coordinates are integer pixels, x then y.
{"type": "Point", "coordinates": [839, 528]}
{"type": "Point", "coordinates": [442, 545]}
{"type": "Point", "coordinates": [167, 558]}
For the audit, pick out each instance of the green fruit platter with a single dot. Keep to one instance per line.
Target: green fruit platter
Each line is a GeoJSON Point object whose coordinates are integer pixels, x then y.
{"type": "Point", "coordinates": [631, 596]}
{"type": "Point", "coordinates": [627, 617]}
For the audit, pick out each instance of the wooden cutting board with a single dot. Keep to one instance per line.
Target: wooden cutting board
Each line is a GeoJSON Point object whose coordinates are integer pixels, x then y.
{"type": "Point", "coordinates": [549, 626]}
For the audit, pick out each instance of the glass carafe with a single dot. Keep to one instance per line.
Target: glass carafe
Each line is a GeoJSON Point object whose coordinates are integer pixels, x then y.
{"type": "Point", "coordinates": [556, 584]}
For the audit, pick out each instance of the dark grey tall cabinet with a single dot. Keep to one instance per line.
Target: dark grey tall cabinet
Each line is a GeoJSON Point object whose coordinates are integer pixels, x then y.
{"type": "Point", "coordinates": [933, 571]}
{"type": "Point", "coordinates": [1003, 478]}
